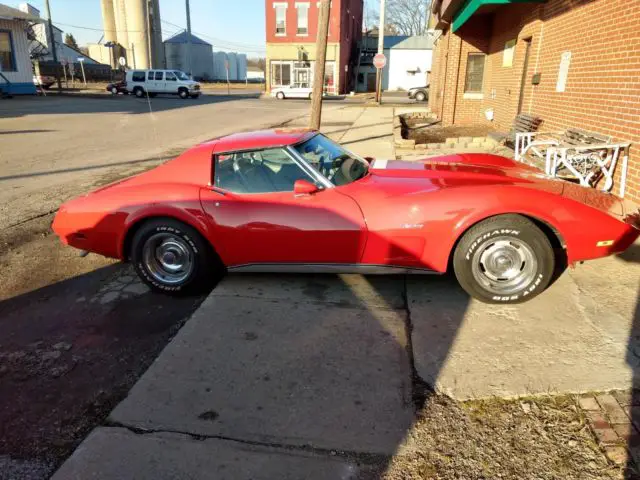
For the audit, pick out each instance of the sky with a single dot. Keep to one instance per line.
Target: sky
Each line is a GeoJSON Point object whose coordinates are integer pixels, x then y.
{"type": "Point", "coordinates": [236, 25]}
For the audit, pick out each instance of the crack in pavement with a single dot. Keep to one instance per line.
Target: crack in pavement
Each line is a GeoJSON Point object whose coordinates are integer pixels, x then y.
{"type": "Point", "coordinates": [362, 457]}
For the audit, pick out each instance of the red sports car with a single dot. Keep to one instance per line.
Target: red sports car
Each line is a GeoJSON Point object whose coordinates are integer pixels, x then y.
{"type": "Point", "coordinates": [295, 201]}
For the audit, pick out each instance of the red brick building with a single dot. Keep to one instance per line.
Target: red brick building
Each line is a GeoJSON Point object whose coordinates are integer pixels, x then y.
{"type": "Point", "coordinates": [292, 27]}
{"type": "Point", "coordinates": [573, 63]}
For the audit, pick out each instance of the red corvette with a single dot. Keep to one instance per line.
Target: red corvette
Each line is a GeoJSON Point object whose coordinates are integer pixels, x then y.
{"type": "Point", "coordinates": [294, 201]}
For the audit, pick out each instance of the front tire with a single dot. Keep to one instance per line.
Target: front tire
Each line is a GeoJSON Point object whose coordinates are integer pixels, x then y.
{"type": "Point", "coordinates": [421, 97]}
{"type": "Point", "coordinates": [114, 90]}
{"type": "Point", "coordinates": [280, 96]}
{"type": "Point", "coordinates": [172, 257]}
{"type": "Point", "coordinates": [183, 93]}
{"type": "Point", "coordinates": [504, 259]}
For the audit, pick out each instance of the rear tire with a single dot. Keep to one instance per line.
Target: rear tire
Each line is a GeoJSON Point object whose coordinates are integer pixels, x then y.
{"type": "Point", "coordinates": [504, 259]}
{"type": "Point", "coordinates": [421, 97]}
{"type": "Point", "coordinates": [138, 92]}
{"type": "Point", "coordinates": [172, 257]}
{"type": "Point", "coordinates": [280, 96]}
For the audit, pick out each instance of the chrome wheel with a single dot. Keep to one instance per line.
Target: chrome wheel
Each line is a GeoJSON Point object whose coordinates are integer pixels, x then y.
{"type": "Point", "coordinates": [504, 265]}
{"type": "Point", "coordinates": [168, 258]}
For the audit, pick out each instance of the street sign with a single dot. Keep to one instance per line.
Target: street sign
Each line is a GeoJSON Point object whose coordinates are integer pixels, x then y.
{"type": "Point", "coordinates": [122, 61]}
{"type": "Point", "coordinates": [80, 59]}
{"type": "Point", "coordinates": [379, 61]}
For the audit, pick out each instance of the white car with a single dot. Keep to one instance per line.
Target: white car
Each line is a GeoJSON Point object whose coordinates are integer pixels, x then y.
{"type": "Point", "coordinates": [292, 91]}
{"type": "Point", "coordinates": [151, 82]}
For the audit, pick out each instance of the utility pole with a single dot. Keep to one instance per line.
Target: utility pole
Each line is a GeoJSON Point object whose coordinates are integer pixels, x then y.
{"type": "Point", "coordinates": [321, 57]}
{"type": "Point", "coordinates": [380, 50]}
{"type": "Point", "coordinates": [189, 38]}
{"type": "Point", "coordinates": [52, 44]}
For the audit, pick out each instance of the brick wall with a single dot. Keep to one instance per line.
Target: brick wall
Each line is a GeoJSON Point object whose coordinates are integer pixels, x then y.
{"type": "Point", "coordinates": [603, 85]}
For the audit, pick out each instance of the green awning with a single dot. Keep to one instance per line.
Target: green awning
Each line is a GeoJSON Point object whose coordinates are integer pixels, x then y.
{"type": "Point", "coordinates": [471, 6]}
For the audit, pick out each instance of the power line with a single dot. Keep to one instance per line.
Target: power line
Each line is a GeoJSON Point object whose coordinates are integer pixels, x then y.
{"type": "Point", "coordinates": [221, 42]}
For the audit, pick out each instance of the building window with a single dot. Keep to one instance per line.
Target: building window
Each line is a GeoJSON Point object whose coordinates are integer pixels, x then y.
{"type": "Point", "coordinates": [303, 18]}
{"type": "Point", "coordinates": [281, 18]}
{"type": "Point", "coordinates": [475, 72]}
{"type": "Point", "coordinates": [280, 74]}
{"type": "Point", "coordinates": [7, 59]}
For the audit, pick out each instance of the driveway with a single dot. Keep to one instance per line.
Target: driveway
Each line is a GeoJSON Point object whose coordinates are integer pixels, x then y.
{"type": "Point", "coordinates": [325, 373]}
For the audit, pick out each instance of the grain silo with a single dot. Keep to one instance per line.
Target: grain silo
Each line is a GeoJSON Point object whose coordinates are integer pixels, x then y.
{"type": "Point", "coordinates": [135, 25]}
{"type": "Point", "coordinates": [242, 67]}
{"type": "Point", "coordinates": [219, 69]}
{"type": "Point", "coordinates": [177, 55]}
{"type": "Point", "coordinates": [233, 66]}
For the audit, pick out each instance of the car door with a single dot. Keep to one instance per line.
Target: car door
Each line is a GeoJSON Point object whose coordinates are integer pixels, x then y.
{"type": "Point", "coordinates": [151, 82]}
{"type": "Point", "coordinates": [159, 81]}
{"type": "Point", "coordinates": [170, 82]}
{"type": "Point", "coordinates": [257, 219]}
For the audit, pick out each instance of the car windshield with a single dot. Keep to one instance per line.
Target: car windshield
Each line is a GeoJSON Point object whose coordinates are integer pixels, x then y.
{"type": "Point", "coordinates": [338, 165]}
{"type": "Point", "coordinates": [181, 75]}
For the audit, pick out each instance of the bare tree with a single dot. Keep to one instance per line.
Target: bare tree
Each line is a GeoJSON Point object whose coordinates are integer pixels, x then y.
{"type": "Point", "coordinates": [404, 17]}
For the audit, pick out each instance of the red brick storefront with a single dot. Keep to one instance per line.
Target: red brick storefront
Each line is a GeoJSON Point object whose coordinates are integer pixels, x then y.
{"type": "Point", "coordinates": [601, 87]}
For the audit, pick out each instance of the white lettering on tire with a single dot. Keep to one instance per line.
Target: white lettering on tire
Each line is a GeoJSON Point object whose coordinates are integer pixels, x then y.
{"type": "Point", "coordinates": [532, 286]}
{"type": "Point", "coordinates": [477, 241]}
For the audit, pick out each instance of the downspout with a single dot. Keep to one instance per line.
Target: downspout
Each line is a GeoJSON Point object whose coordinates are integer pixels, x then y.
{"type": "Point", "coordinates": [455, 97]}
{"type": "Point", "coordinates": [446, 68]}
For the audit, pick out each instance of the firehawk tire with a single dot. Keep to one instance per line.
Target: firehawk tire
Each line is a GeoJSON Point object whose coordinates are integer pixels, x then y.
{"type": "Point", "coordinates": [172, 257]}
{"type": "Point", "coordinates": [504, 259]}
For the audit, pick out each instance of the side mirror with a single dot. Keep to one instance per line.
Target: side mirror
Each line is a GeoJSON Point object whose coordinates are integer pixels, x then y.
{"type": "Point", "coordinates": [369, 160]}
{"type": "Point", "coordinates": [303, 187]}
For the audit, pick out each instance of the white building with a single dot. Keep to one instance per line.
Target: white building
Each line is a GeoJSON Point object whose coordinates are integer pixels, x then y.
{"type": "Point", "coordinates": [176, 53]}
{"type": "Point", "coordinates": [16, 71]}
{"type": "Point", "coordinates": [409, 61]}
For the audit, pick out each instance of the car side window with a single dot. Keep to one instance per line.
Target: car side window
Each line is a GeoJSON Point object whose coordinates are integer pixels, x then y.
{"type": "Point", "coordinates": [260, 171]}
{"type": "Point", "coordinates": [159, 75]}
{"type": "Point", "coordinates": [138, 77]}
{"type": "Point", "coordinates": [170, 77]}
{"type": "Point", "coordinates": [150, 75]}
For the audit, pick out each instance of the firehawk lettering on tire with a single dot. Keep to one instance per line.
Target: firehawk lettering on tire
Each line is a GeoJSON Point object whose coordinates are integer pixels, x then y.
{"type": "Point", "coordinates": [291, 200]}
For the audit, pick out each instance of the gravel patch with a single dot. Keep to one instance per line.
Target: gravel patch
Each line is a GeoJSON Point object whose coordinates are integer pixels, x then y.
{"type": "Point", "coordinates": [542, 438]}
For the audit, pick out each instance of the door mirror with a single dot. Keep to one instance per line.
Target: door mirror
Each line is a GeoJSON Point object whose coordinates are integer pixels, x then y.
{"type": "Point", "coordinates": [303, 187]}
{"type": "Point", "coordinates": [369, 160]}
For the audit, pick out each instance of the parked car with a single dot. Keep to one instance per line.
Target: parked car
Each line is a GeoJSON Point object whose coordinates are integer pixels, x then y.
{"type": "Point", "coordinates": [118, 87]}
{"type": "Point", "coordinates": [44, 81]}
{"type": "Point", "coordinates": [421, 94]}
{"type": "Point", "coordinates": [294, 201]}
{"type": "Point", "coordinates": [292, 91]}
{"type": "Point", "coordinates": [152, 82]}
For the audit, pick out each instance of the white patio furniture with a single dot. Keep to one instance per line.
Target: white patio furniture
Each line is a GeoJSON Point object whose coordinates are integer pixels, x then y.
{"type": "Point", "coordinates": [588, 157]}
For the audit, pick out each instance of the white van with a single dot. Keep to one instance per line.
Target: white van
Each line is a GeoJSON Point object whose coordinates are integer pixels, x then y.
{"type": "Point", "coordinates": [152, 82]}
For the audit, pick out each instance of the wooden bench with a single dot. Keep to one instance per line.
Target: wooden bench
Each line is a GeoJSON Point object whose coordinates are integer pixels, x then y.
{"type": "Point", "coordinates": [577, 154]}
{"type": "Point", "coordinates": [523, 123]}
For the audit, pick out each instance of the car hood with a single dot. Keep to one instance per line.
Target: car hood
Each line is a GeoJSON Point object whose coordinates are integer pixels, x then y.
{"type": "Point", "coordinates": [467, 170]}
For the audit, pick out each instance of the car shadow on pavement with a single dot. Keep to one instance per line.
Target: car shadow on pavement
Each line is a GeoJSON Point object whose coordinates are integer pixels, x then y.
{"type": "Point", "coordinates": [632, 255]}
{"type": "Point", "coordinates": [69, 352]}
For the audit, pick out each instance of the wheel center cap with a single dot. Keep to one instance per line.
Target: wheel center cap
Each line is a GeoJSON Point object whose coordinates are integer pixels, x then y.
{"type": "Point", "coordinates": [169, 258]}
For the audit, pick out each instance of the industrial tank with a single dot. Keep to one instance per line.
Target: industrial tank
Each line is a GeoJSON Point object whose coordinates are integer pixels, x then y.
{"type": "Point", "coordinates": [242, 67]}
{"type": "Point", "coordinates": [233, 66]}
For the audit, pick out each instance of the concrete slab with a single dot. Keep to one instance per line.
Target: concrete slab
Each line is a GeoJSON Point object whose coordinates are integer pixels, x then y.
{"type": "Point", "coordinates": [572, 338]}
{"type": "Point", "coordinates": [154, 456]}
{"type": "Point", "coordinates": [289, 371]}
